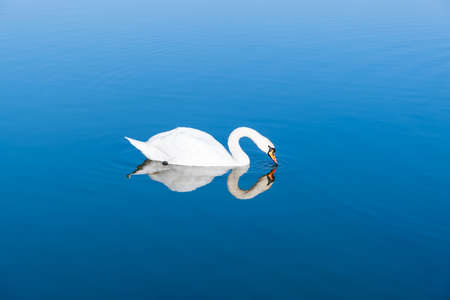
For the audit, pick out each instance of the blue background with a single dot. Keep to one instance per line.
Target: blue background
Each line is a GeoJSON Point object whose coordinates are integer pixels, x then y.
{"type": "Point", "coordinates": [354, 94]}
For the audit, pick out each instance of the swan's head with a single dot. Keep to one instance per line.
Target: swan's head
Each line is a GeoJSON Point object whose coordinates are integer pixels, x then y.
{"type": "Point", "coordinates": [263, 143]}
{"type": "Point", "coordinates": [266, 146]}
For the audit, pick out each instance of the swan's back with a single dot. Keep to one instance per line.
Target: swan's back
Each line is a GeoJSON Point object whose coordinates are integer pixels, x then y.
{"type": "Point", "coordinates": [191, 147]}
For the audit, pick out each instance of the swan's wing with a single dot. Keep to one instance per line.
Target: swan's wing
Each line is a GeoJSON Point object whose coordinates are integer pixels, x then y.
{"type": "Point", "coordinates": [189, 146]}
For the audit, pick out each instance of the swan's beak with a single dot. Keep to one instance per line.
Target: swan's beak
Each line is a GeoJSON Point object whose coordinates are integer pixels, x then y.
{"type": "Point", "coordinates": [272, 156]}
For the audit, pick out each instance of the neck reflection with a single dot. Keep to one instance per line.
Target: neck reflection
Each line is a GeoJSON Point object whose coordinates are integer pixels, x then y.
{"type": "Point", "coordinates": [264, 183]}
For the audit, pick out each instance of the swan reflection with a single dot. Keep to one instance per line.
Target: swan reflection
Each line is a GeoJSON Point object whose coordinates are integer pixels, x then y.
{"type": "Point", "coordinates": [187, 179]}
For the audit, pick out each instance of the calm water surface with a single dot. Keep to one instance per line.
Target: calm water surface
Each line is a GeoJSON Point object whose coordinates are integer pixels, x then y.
{"type": "Point", "coordinates": [354, 94]}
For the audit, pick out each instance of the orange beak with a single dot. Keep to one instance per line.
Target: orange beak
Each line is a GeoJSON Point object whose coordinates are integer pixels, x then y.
{"type": "Point", "coordinates": [272, 156]}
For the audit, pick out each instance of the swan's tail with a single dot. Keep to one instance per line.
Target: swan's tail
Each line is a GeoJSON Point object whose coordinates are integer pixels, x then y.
{"type": "Point", "coordinates": [150, 152]}
{"type": "Point", "coordinates": [141, 146]}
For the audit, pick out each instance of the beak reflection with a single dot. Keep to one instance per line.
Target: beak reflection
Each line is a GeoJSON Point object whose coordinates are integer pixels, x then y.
{"type": "Point", "coordinates": [271, 176]}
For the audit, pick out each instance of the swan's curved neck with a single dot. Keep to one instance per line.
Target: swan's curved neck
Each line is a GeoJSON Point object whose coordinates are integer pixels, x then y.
{"type": "Point", "coordinates": [240, 157]}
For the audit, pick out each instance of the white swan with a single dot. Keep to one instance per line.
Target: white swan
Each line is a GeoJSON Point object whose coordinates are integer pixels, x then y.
{"type": "Point", "coordinates": [192, 147]}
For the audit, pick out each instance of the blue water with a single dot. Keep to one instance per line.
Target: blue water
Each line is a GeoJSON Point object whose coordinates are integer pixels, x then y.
{"type": "Point", "coordinates": [355, 96]}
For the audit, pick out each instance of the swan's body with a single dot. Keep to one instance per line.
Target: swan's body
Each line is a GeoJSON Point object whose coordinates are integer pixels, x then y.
{"type": "Point", "coordinates": [192, 147]}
